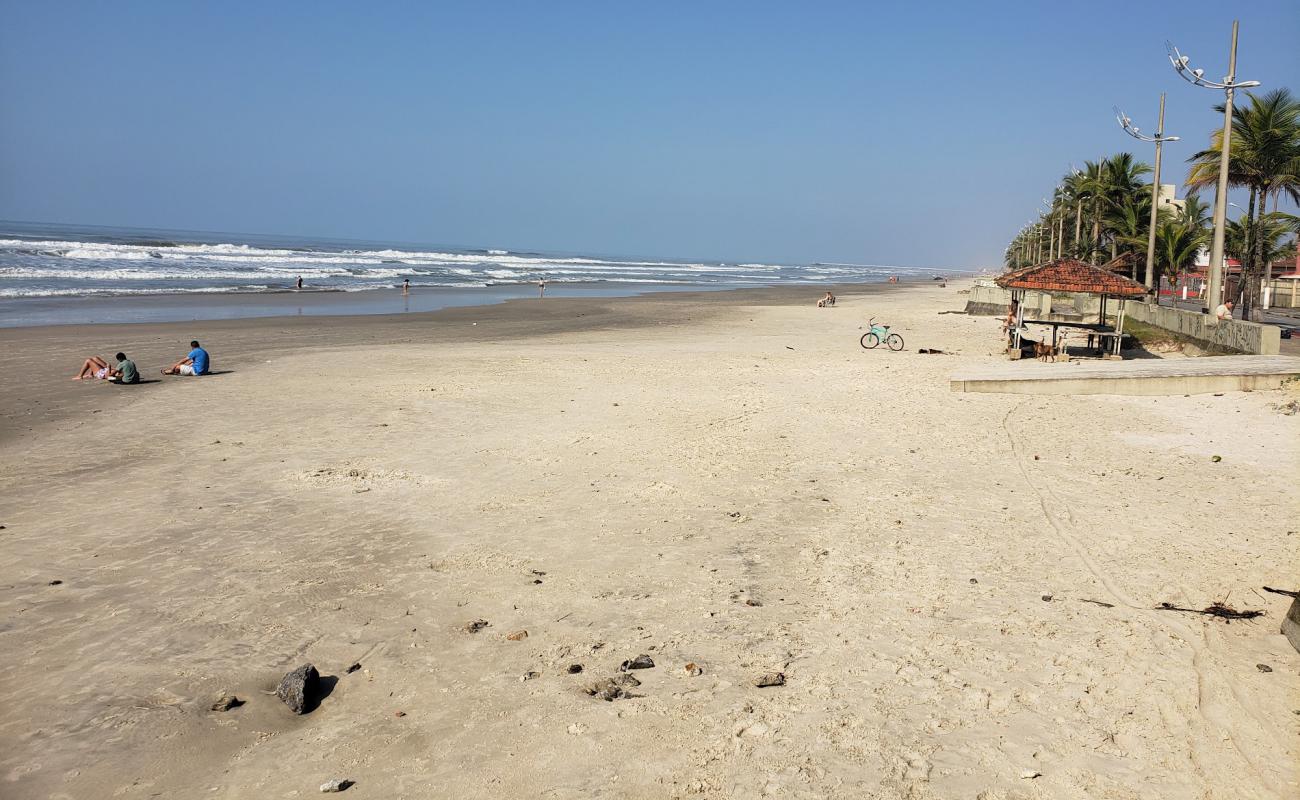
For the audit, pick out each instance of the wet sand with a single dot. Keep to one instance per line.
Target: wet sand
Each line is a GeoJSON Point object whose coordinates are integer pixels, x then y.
{"type": "Point", "coordinates": [959, 589]}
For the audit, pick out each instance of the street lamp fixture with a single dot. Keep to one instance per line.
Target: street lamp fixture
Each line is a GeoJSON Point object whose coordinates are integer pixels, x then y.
{"type": "Point", "coordinates": [1228, 85]}
{"type": "Point", "coordinates": [1132, 130]}
{"type": "Point", "coordinates": [1197, 76]}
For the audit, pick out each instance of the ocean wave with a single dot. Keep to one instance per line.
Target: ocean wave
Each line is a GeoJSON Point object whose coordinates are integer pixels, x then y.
{"type": "Point", "coordinates": [253, 254]}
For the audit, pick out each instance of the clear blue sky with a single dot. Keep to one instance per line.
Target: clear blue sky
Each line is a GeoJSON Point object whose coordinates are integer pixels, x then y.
{"type": "Point", "coordinates": [919, 133]}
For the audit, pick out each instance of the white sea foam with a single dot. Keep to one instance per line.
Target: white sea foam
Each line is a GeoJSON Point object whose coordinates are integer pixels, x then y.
{"type": "Point", "coordinates": [54, 267]}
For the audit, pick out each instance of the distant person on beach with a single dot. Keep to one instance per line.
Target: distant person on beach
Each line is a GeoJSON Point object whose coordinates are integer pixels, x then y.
{"type": "Point", "coordinates": [1224, 311]}
{"type": "Point", "coordinates": [541, 288]}
{"type": "Point", "coordinates": [97, 368]}
{"type": "Point", "coordinates": [828, 300]}
{"type": "Point", "coordinates": [196, 363]}
{"type": "Point", "coordinates": [299, 283]}
{"type": "Point", "coordinates": [406, 285]}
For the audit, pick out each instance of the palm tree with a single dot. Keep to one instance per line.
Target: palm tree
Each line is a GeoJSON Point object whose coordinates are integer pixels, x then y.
{"type": "Point", "coordinates": [1195, 211]}
{"type": "Point", "coordinates": [1073, 194]}
{"type": "Point", "coordinates": [1178, 240]}
{"type": "Point", "coordinates": [1267, 236]}
{"type": "Point", "coordinates": [1264, 158]}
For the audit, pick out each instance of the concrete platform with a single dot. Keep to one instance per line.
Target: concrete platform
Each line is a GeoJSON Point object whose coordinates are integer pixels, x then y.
{"type": "Point", "coordinates": [1154, 376]}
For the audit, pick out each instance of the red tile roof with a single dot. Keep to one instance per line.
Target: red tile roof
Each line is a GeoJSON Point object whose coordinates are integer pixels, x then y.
{"type": "Point", "coordinates": [1069, 275]}
{"type": "Point", "coordinates": [1124, 262]}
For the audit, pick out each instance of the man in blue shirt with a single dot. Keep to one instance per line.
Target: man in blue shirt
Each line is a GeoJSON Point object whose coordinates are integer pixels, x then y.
{"type": "Point", "coordinates": [196, 363]}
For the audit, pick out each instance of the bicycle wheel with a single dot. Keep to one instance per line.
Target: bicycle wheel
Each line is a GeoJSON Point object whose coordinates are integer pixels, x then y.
{"type": "Point", "coordinates": [870, 340]}
{"type": "Point", "coordinates": [894, 341]}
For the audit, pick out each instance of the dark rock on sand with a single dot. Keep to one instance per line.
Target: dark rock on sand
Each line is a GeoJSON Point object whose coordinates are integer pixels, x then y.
{"type": "Point", "coordinates": [353, 668]}
{"type": "Point", "coordinates": [642, 661]}
{"type": "Point", "coordinates": [1263, 668]}
{"type": "Point", "coordinates": [299, 688]}
{"type": "Point", "coordinates": [574, 669]}
{"type": "Point", "coordinates": [771, 679]}
{"type": "Point", "coordinates": [611, 689]}
{"type": "Point", "coordinates": [474, 626]}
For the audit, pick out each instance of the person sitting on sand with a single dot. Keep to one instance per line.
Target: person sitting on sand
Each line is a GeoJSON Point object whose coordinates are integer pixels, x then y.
{"type": "Point", "coordinates": [94, 367]}
{"type": "Point", "coordinates": [828, 300]}
{"type": "Point", "coordinates": [125, 371]}
{"type": "Point", "coordinates": [97, 368]}
{"type": "Point", "coordinates": [196, 363]}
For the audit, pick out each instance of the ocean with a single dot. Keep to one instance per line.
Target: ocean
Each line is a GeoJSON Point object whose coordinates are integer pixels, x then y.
{"type": "Point", "coordinates": [47, 262]}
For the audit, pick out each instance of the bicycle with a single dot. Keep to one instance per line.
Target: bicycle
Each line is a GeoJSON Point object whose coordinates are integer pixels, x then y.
{"type": "Point", "coordinates": [880, 333]}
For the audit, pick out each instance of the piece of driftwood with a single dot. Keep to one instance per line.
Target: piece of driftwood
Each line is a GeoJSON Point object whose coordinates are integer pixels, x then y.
{"type": "Point", "coordinates": [1215, 610]}
{"type": "Point", "coordinates": [1097, 603]}
{"type": "Point", "coordinates": [1286, 592]}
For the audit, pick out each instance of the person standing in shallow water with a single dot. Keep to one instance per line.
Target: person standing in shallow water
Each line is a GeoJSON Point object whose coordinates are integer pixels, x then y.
{"type": "Point", "coordinates": [299, 283]}
{"type": "Point", "coordinates": [541, 288]}
{"type": "Point", "coordinates": [406, 285]}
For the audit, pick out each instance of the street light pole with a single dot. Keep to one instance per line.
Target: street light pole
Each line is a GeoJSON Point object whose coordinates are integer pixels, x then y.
{"type": "Point", "coordinates": [1159, 138]}
{"type": "Point", "coordinates": [1155, 203]}
{"type": "Point", "coordinates": [1228, 85]}
{"type": "Point", "coordinates": [1221, 192]}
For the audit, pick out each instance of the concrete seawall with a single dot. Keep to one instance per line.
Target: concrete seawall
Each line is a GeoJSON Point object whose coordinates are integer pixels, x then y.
{"type": "Point", "coordinates": [1234, 335]}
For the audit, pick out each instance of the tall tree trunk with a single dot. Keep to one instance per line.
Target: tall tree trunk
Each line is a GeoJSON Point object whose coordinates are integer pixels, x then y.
{"type": "Point", "coordinates": [1078, 222]}
{"type": "Point", "coordinates": [1249, 285]}
{"type": "Point", "coordinates": [1095, 244]}
{"type": "Point", "coordinates": [1257, 259]}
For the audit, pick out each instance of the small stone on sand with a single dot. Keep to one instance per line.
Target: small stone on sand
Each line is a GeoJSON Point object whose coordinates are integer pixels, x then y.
{"type": "Point", "coordinates": [517, 636]}
{"type": "Point", "coordinates": [574, 669]}
{"type": "Point", "coordinates": [611, 689]}
{"type": "Point", "coordinates": [770, 679]}
{"type": "Point", "coordinates": [1263, 668]}
{"type": "Point", "coordinates": [694, 670]}
{"type": "Point", "coordinates": [225, 702]}
{"type": "Point", "coordinates": [336, 785]}
{"type": "Point", "coordinates": [642, 661]}
{"type": "Point", "coordinates": [474, 626]}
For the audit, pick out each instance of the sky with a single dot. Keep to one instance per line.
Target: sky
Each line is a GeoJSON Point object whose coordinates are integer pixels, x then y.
{"type": "Point", "coordinates": [909, 133]}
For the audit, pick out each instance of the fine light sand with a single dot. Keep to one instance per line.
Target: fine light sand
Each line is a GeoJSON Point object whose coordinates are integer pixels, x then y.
{"type": "Point", "coordinates": [728, 480]}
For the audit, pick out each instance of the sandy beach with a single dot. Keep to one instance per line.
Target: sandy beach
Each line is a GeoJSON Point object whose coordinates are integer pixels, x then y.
{"type": "Point", "coordinates": [961, 591]}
